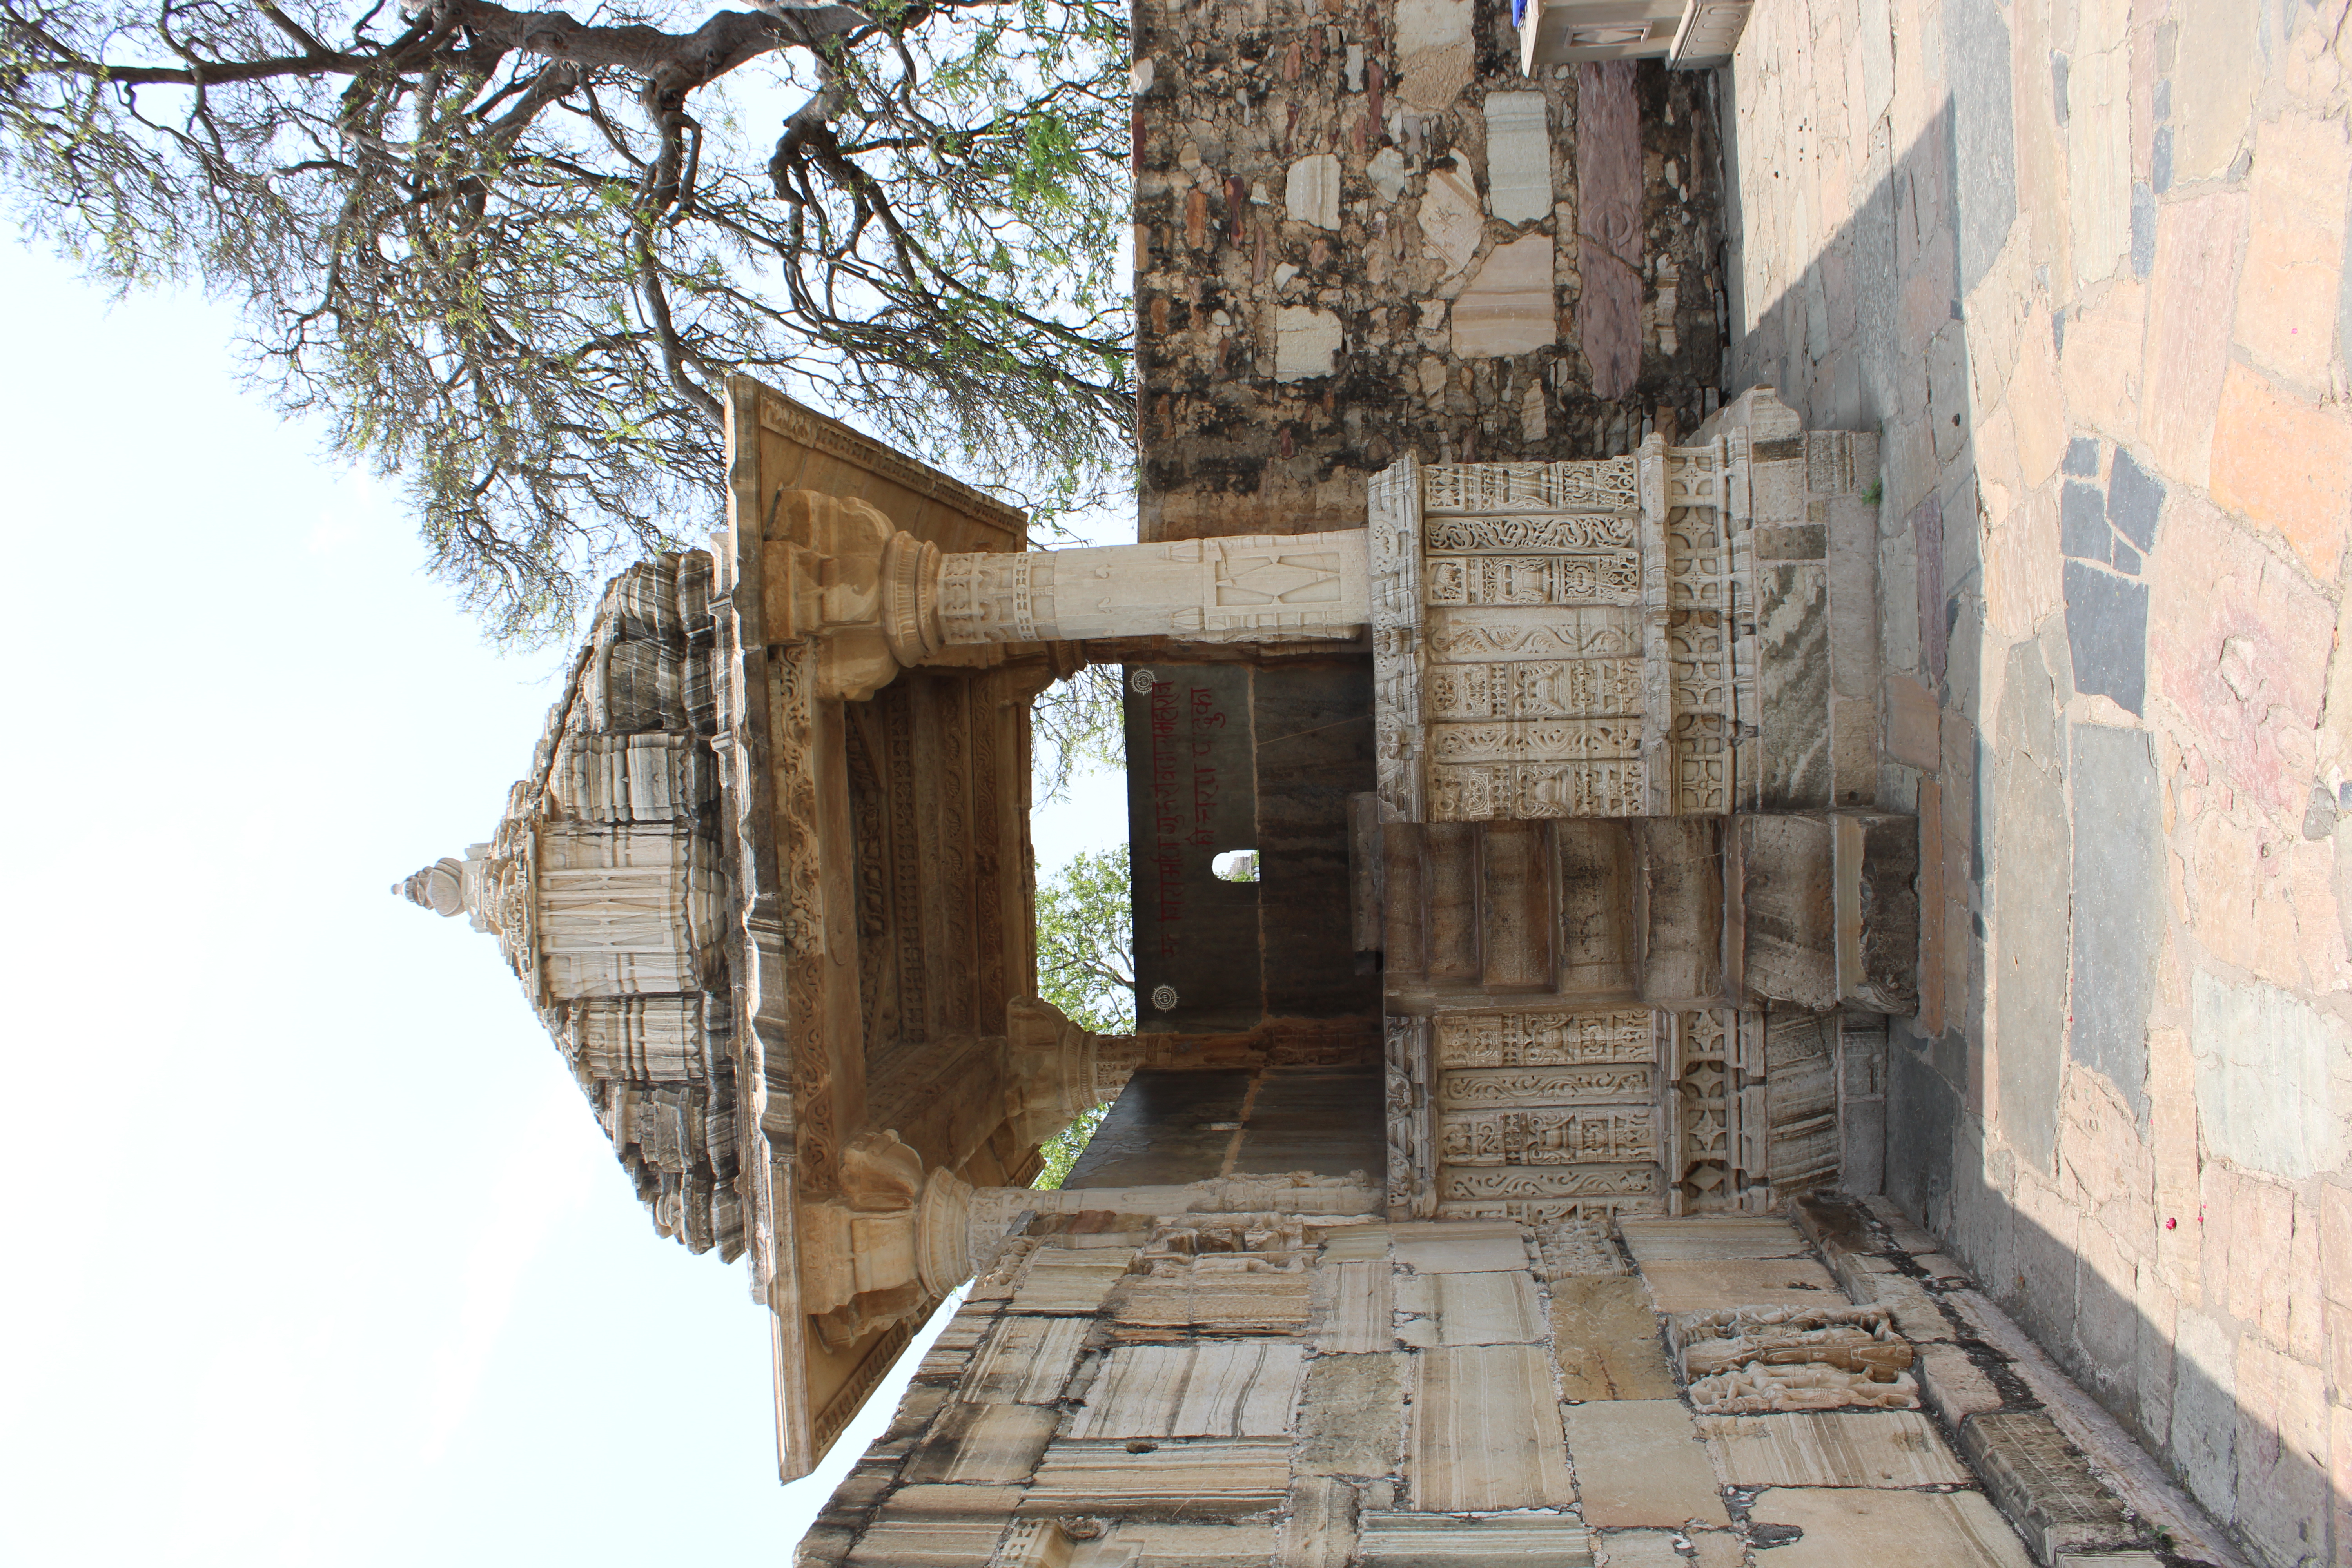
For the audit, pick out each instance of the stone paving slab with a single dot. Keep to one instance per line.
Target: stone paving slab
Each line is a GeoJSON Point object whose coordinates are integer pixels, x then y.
{"type": "Point", "coordinates": [1659, 1240]}
{"type": "Point", "coordinates": [1640, 1462]}
{"type": "Point", "coordinates": [1832, 1448]}
{"type": "Point", "coordinates": [1486, 1431]}
{"type": "Point", "coordinates": [1690, 1284]}
{"type": "Point", "coordinates": [1849, 1527]}
{"type": "Point", "coordinates": [1605, 1340]}
{"type": "Point", "coordinates": [1469, 1310]}
{"type": "Point", "coordinates": [1435, 1248]}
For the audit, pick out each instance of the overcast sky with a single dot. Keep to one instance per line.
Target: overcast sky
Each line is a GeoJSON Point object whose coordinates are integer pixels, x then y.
{"type": "Point", "coordinates": [317, 1256]}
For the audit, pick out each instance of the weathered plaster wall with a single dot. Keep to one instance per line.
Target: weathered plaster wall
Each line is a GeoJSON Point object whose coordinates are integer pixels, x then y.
{"type": "Point", "coordinates": [2085, 264]}
{"type": "Point", "coordinates": [1361, 232]}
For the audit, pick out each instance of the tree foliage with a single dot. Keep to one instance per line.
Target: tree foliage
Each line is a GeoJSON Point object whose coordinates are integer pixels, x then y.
{"type": "Point", "coordinates": [1086, 961]}
{"type": "Point", "coordinates": [511, 255]}
{"type": "Point", "coordinates": [1076, 725]}
{"type": "Point", "coordinates": [1086, 966]}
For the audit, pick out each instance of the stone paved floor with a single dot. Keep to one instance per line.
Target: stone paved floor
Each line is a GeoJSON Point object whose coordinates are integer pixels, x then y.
{"type": "Point", "coordinates": [2083, 262]}
{"type": "Point", "coordinates": [1830, 1488]}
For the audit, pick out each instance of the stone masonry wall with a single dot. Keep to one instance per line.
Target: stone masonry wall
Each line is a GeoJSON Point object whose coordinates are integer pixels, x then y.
{"type": "Point", "coordinates": [2086, 266]}
{"type": "Point", "coordinates": [1361, 231]}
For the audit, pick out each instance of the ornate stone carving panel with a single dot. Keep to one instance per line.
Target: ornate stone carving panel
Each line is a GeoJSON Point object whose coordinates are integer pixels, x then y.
{"type": "Point", "coordinates": [1539, 1116]}
{"type": "Point", "coordinates": [1541, 1040]}
{"type": "Point", "coordinates": [1582, 640]}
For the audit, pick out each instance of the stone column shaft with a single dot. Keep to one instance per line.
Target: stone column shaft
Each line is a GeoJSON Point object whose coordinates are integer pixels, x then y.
{"type": "Point", "coordinates": [1261, 588]}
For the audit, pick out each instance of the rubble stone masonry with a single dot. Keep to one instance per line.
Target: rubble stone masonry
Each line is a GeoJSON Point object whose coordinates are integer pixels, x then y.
{"type": "Point", "coordinates": [1361, 232]}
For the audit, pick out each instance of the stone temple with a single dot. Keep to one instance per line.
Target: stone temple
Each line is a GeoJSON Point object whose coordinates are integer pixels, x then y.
{"type": "Point", "coordinates": [1736, 571]}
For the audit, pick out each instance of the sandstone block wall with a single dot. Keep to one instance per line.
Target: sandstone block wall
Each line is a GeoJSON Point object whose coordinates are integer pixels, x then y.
{"type": "Point", "coordinates": [1361, 231]}
{"type": "Point", "coordinates": [2047, 249]}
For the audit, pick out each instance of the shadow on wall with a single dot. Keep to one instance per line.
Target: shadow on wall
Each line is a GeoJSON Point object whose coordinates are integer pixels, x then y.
{"type": "Point", "coordinates": [1872, 334]}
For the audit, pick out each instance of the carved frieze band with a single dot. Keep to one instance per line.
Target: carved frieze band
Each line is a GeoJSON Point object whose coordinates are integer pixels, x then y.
{"type": "Point", "coordinates": [1544, 1039]}
{"type": "Point", "coordinates": [1580, 636]}
{"type": "Point", "coordinates": [791, 723]}
{"type": "Point", "coordinates": [1541, 1115]}
{"type": "Point", "coordinates": [1607, 484]}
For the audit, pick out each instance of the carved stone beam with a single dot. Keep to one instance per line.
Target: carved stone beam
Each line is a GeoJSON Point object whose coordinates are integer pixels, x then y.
{"type": "Point", "coordinates": [1055, 1071]}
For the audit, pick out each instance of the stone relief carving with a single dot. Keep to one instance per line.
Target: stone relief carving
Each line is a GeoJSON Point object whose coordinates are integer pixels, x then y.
{"type": "Point", "coordinates": [1603, 1084]}
{"type": "Point", "coordinates": [1607, 484]}
{"type": "Point", "coordinates": [1755, 1390]}
{"type": "Point", "coordinates": [1612, 577]}
{"type": "Point", "coordinates": [1716, 1109]}
{"type": "Point", "coordinates": [1592, 622]}
{"type": "Point", "coordinates": [1750, 1359]}
{"type": "Point", "coordinates": [1587, 532]}
{"type": "Point", "coordinates": [1413, 1157]}
{"type": "Point", "coordinates": [1392, 538]}
{"type": "Point", "coordinates": [1604, 1111]}
{"type": "Point", "coordinates": [1473, 1184]}
{"type": "Point", "coordinates": [1544, 1039]}
{"type": "Point", "coordinates": [1549, 1136]}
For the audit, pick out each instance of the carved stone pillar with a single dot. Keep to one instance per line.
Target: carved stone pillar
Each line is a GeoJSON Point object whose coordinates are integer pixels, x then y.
{"type": "Point", "coordinates": [1055, 1070]}
{"type": "Point", "coordinates": [876, 600]}
{"type": "Point", "coordinates": [1267, 588]}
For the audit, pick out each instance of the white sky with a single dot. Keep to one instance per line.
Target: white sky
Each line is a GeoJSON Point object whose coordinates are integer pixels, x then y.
{"type": "Point", "coordinates": [317, 1256]}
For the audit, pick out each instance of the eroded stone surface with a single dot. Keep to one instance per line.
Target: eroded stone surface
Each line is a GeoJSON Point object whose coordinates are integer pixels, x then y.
{"type": "Point", "coordinates": [1853, 1528]}
{"type": "Point", "coordinates": [1683, 1285]}
{"type": "Point", "coordinates": [1605, 1340]}
{"type": "Point", "coordinates": [1832, 1448]}
{"type": "Point", "coordinates": [1640, 1462]}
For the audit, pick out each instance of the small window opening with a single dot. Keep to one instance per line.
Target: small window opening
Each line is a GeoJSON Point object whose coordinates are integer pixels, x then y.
{"type": "Point", "coordinates": [1236, 866]}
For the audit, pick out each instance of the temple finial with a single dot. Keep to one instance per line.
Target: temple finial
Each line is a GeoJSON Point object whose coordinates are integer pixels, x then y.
{"type": "Point", "coordinates": [439, 887]}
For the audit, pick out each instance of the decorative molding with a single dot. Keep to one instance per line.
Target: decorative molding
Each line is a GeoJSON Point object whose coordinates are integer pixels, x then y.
{"type": "Point", "coordinates": [1413, 1152]}
{"type": "Point", "coordinates": [1606, 484]}
{"type": "Point", "coordinates": [872, 1367]}
{"type": "Point", "coordinates": [1393, 539]}
{"type": "Point", "coordinates": [799, 422]}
